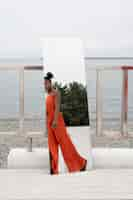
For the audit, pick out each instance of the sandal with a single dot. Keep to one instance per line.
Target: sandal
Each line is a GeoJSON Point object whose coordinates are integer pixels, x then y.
{"type": "Point", "coordinates": [84, 168]}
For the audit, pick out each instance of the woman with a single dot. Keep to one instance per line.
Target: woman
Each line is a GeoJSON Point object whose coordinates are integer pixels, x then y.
{"type": "Point", "coordinates": [57, 133]}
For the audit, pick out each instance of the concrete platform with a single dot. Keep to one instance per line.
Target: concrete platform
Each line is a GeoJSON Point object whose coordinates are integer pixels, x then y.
{"type": "Point", "coordinates": [27, 184]}
{"type": "Point", "coordinates": [99, 158]}
{"type": "Point", "coordinates": [112, 158]}
{"type": "Point", "coordinates": [110, 178]}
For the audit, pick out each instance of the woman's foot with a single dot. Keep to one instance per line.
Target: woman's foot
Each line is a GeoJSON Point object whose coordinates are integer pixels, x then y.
{"type": "Point", "coordinates": [84, 168]}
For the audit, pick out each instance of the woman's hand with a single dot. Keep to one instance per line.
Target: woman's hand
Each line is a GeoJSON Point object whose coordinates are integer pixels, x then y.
{"type": "Point", "coordinates": [54, 124]}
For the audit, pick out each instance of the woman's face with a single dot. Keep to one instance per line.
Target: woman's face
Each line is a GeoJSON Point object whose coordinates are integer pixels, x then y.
{"type": "Point", "coordinates": [47, 84]}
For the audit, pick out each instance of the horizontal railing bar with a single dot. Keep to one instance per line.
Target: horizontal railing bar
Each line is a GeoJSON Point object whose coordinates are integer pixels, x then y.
{"type": "Point", "coordinates": [32, 116]}
{"type": "Point", "coordinates": [8, 133]}
{"type": "Point", "coordinates": [11, 68]}
{"type": "Point", "coordinates": [25, 118]}
{"type": "Point", "coordinates": [35, 67]}
{"type": "Point", "coordinates": [107, 58]}
{"type": "Point", "coordinates": [101, 67]}
{"type": "Point", "coordinates": [9, 118]}
{"type": "Point", "coordinates": [19, 67]}
{"type": "Point", "coordinates": [127, 67]}
{"type": "Point", "coordinates": [115, 67]}
{"type": "Point", "coordinates": [40, 67]}
{"type": "Point", "coordinates": [25, 133]}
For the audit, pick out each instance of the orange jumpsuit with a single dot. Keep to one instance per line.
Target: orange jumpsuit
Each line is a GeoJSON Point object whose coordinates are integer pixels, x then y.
{"type": "Point", "coordinates": [59, 136]}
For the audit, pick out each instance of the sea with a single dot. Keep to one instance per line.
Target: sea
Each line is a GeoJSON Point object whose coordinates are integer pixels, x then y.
{"type": "Point", "coordinates": [111, 82]}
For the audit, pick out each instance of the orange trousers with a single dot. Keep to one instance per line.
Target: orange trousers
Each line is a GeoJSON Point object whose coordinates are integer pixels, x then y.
{"type": "Point", "coordinates": [59, 136]}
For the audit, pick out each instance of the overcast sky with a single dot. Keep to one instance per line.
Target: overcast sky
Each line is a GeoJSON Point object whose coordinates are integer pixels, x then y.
{"type": "Point", "coordinates": [106, 26]}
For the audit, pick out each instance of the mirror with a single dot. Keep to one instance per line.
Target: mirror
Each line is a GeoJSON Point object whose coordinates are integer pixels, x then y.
{"type": "Point", "coordinates": [64, 57]}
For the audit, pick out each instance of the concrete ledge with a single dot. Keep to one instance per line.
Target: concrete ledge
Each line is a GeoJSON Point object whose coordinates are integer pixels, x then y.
{"type": "Point", "coordinates": [104, 158]}
{"type": "Point", "coordinates": [20, 158]}
{"type": "Point", "coordinates": [109, 158]}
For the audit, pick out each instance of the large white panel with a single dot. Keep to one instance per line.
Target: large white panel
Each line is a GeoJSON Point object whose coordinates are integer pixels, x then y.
{"type": "Point", "coordinates": [64, 57]}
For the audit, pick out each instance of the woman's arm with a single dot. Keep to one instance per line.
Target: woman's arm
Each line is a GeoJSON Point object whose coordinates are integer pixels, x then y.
{"type": "Point", "coordinates": [57, 107]}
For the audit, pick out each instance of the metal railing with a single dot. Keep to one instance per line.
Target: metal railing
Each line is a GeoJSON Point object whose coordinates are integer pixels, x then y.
{"type": "Point", "coordinates": [99, 99]}
{"type": "Point", "coordinates": [99, 104]}
{"type": "Point", "coordinates": [21, 69]}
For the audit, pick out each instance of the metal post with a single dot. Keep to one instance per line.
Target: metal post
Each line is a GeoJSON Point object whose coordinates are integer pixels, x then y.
{"type": "Point", "coordinates": [21, 100]}
{"type": "Point", "coordinates": [124, 107]}
{"type": "Point", "coordinates": [30, 144]}
{"type": "Point", "coordinates": [87, 89]}
{"type": "Point", "coordinates": [98, 104]}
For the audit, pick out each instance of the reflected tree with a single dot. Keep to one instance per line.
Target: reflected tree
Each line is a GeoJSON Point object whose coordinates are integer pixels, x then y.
{"type": "Point", "coordinates": [74, 104]}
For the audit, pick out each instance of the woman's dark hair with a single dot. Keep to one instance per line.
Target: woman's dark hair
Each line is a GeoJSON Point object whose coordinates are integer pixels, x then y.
{"type": "Point", "coordinates": [49, 76]}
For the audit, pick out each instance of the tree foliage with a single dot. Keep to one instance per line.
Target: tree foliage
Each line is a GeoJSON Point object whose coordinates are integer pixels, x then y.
{"type": "Point", "coordinates": [74, 105]}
